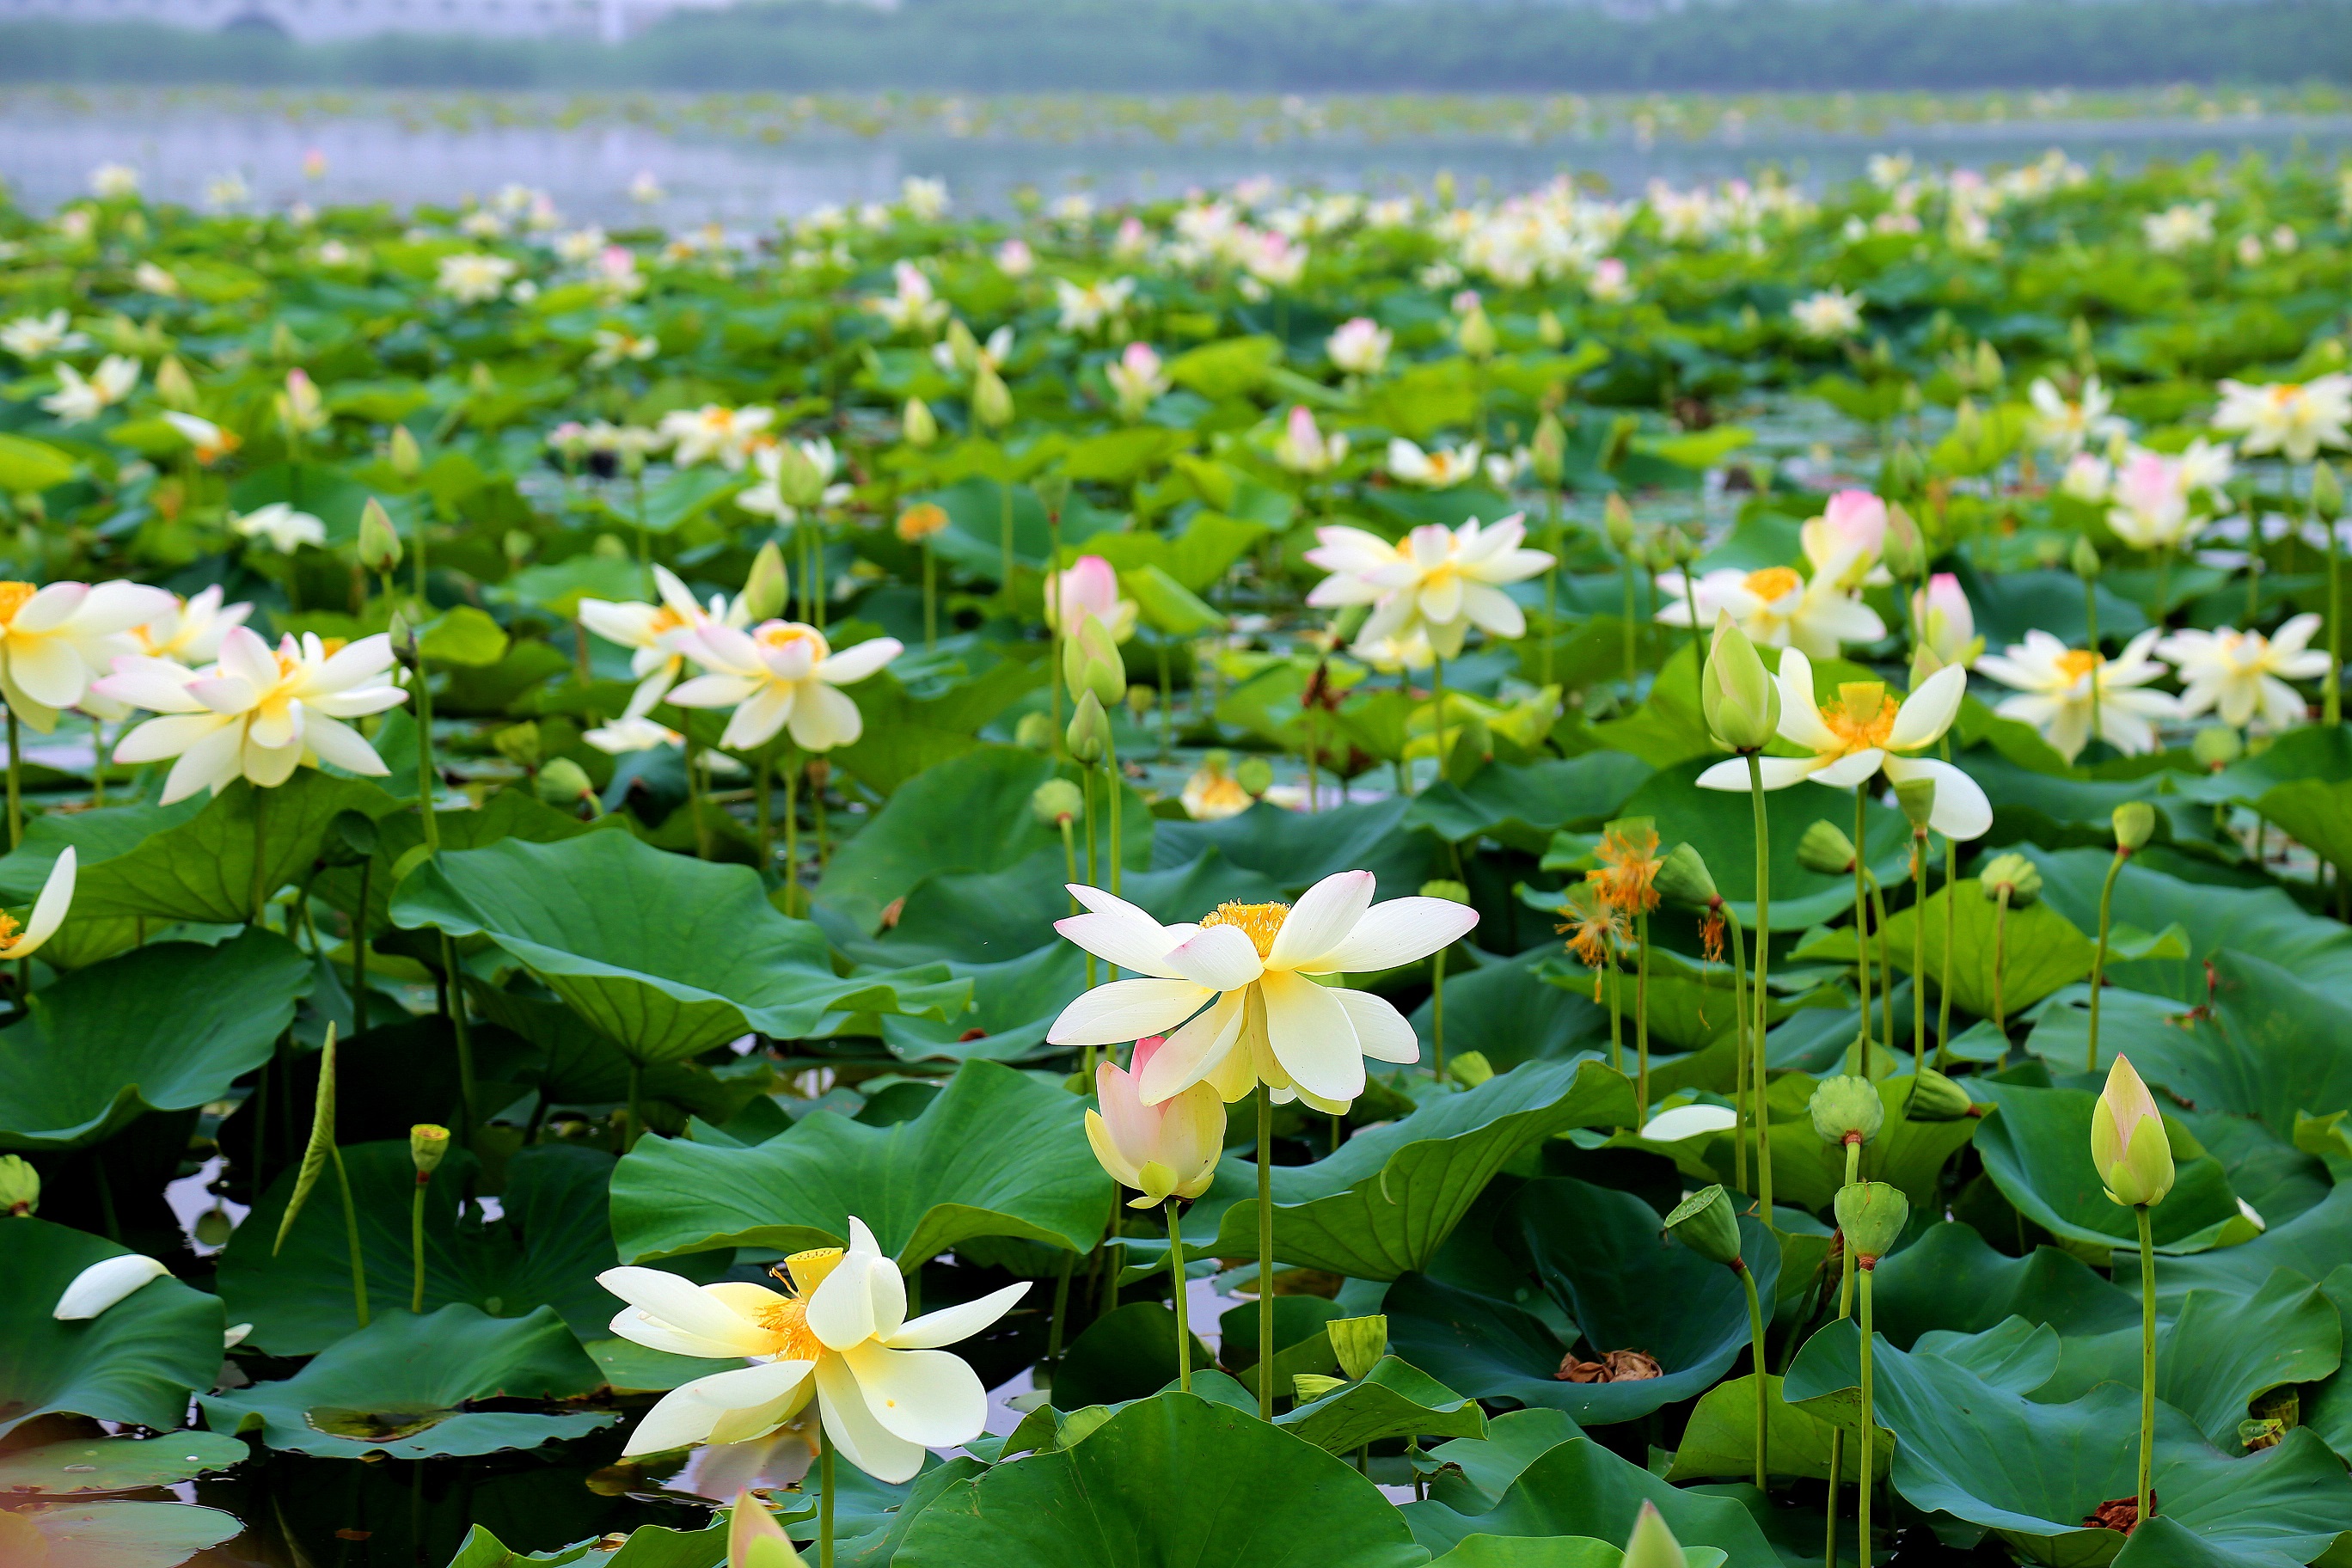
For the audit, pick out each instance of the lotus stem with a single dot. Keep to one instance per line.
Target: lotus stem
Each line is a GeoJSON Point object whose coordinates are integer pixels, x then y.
{"type": "Point", "coordinates": [1437, 703]}
{"type": "Point", "coordinates": [2147, 1360]}
{"type": "Point", "coordinates": [2099, 955]}
{"type": "Point", "coordinates": [1918, 950]}
{"type": "Point", "coordinates": [793, 836]}
{"type": "Point", "coordinates": [1943, 979]}
{"type": "Point", "coordinates": [1061, 1312]}
{"type": "Point", "coordinates": [1616, 1014]}
{"type": "Point", "coordinates": [457, 995]}
{"type": "Point", "coordinates": [417, 1242]}
{"type": "Point", "coordinates": [1642, 1018]}
{"type": "Point", "coordinates": [352, 1238]}
{"type": "Point", "coordinates": [1869, 1421]}
{"type": "Point", "coordinates": [16, 783]}
{"type": "Point", "coordinates": [1886, 968]}
{"type": "Point", "coordinates": [1739, 1068]}
{"type": "Point", "coordinates": [1756, 1337]}
{"type": "Point", "coordinates": [2331, 700]}
{"type": "Point", "coordinates": [261, 905]}
{"type": "Point", "coordinates": [1004, 490]}
{"type": "Point", "coordinates": [767, 822]}
{"type": "Point", "coordinates": [824, 1498]}
{"type": "Point", "coordinates": [1845, 1309]}
{"type": "Point", "coordinates": [97, 763]}
{"type": "Point", "coordinates": [427, 780]}
{"type": "Point", "coordinates": [1625, 559]}
{"type": "Point", "coordinates": [931, 599]}
{"type": "Point", "coordinates": [359, 951]}
{"type": "Point", "coordinates": [1551, 584]}
{"type": "Point", "coordinates": [1861, 1066]}
{"type": "Point", "coordinates": [1110, 775]}
{"type": "Point", "coordinates": [818, 777]}
{"type": "Point", "coordinates": [1264, 1253]}
{"type": "Point", "coordinates": [1437, 1014]}
{"type": "Point", "coordinates": [1176, 1277]}
{"type": "Point", "coordinates": [1763, 998]}
{"type": "Point", "coordinates": [1698, 639]}
{"type": "Point", "coordinates": [2000, 956]}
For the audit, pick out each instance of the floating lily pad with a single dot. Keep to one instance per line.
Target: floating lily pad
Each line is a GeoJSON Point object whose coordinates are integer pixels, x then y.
{"type": "Point", "coordinates": [133, 1362]}
{"type": "Point", "coordinates": [113, 1534]}
{"type": "Point", "coordinates": [118, 1464]}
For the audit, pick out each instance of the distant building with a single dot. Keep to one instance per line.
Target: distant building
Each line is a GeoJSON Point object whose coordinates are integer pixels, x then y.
{"type": "Point", "coordinates": [319, 20]}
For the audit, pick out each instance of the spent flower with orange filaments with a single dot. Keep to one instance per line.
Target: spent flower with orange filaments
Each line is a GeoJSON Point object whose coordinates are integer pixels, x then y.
{"type": "Point", "coordinates": [1594, 929]}
{"type": "Point", "coordinates": [1627, 876]}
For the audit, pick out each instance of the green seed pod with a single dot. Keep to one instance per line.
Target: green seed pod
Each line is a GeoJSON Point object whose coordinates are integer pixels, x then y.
{"type": "Point", "coordinates": [20, 1187]}
{"type": "Point", "coordinates": [1916, 800]}
{"type": "Point", "coordinates": [1548, 452]}
{"type": "Point", "coordinates": [1935, 1098]}
{"type": "Point", "coordinates": [2135, 821]}
{"type": "Point", "coordinates": [1255, 775]}
{"type": "Point", "coordinates": [2326, 492]}
{"type": "Point", "coordinates": [2217, 746]}
{"type": "Point", "coordinates": [1056, 801]}
{"type": "Point", "coordinates": [1707, 1224]}
{"type": "Point", "coordinates": [1089, 729]}
{"type": "Point", "coordinates": [1685, 879]}
{"type": "Point", "coordinates": [563, 783]}
{"type": "Point", "coordinates": [1847, 1108]}
{"type": "Point", "coordinates": [2014, 872]}
{"type": "Point", "coordinates": [427, 1144]}
{"type": "Point", "coordinates": [1872, 1214]}
{"type": "Point", "coordinates": [378, 540]}
{"type": "Point", "coordinates": [2085, 560]}
{"type": "Point", "coordinates": [214, 1227]}
{"type": "Point", "coordinates": [1826, 849]}
{"type": "Point", "coordinates": [921, 425]}
{"type": "Point", "coordinates": [1738, 695]}
{"type": "Point", "coordinates": [1035, 733]}
{"type": "Point", "coordinates": [765, 590]}
{"type": "Point", "coordinates": [1359, 1342]}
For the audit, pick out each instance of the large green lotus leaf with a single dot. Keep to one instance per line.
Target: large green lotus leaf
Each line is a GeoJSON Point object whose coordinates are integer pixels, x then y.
{"type": "Point", "coordinates": [1576, 1487]}
{"type": "Point", "coordinates": [2313, 752]}
{"type": "Point", "coordinates": [2033, 1471]}
{"type": "Point", "coordinates": [665, 955]}
{"type": "Point", "coordinates": [574, 1065]}
{"type": "Point", "coordinates": [117, 1534]}
{"type": "Point", "coordinates": [1013, 1004]}
{"type": "Point", "coordinates": [1600, 1255]}
{"type": "Point", "coordinates": [1510, 1014]}
{"type": "Point", "coordinates": [96, 836]}
{"type": "Point", "coordinates": [1475, 1472]}
{"type": "Point", "coordinates": [122, 1464]}
{"type": "Point", "coordinates": [2264, 921]}
{"type": "Point", "coordinates": [1720, 824]}
{"type": "Point", "coordinates": [2315, 1244]}
{"type": "Point", "coordinates": [1949, 1278]}
{"type": "Point", "coordinates": [1523, 805]}
{"type": "Point", "coordinates": [1718, 1442]}
{"type": "Point", "coordinates": [2036, 1147]}
{"type": "Point", "coordinates": [1553, 1551]}
{"type": "Point", "coordinates": [133, 1362]}
{"type": "Point", "coordinates": [547, 1248]}
{"type": "Point", "coordinates": [1807, 1173]}
{"type": "Point", "coordinates": [2216, 1356]}
{"type": "Point", "coordinates": [195, 866]}
{"type": "Point", "coordinates": [2327, 1409]}
{"type": "Point", "coordinates": [1384, 1204]}
{"type": "Point", "coordinates": [648, 1546]}
{"type": "Point", "coordinates": [994, 1154]}
{"type": "Point", "coordinates": [2315, 815]}
{"type": "Point", "coordinates": [1172, 1482]}
{"type": "Point", "coordinates": [1394, 1399]}
{"type": "Point", "coordinates": [2045, 952]}
{"type": "Point", "coordinates": [165, 1028]}
{"type": "Point", "coordinates": [509, 813]}
{"type": "Point", "coordinates": [1295, 851]}
{"type": "Point", "coordinates": [400, 1387]}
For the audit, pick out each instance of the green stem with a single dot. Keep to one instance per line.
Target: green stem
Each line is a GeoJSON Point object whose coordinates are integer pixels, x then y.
{"type": "Point", "coordinates": [1616, 1014]}
{"type": "Point", "coordinates": [1944, 973]}
{"type": "Point", "coordinates": [16, 783]}
{"type": "Point", "coordinates": [1183, 1315]}
{"type": "Point", "coordinates": [1860, 942]}
{"type": "Point", "coordinates": [1756, 1338]}
{"type": "Point", "coordinates": [1698, 636]}
{"type": "Point", "coordinates": [416, 1244]}
{"type": "Point", "coordinates": [426, 780]}
{"type": "Point", "coordinates": [1886, 968]}
{"type": "Point", "coordinates": [825, 1500]}
{"type": "Point", "coordinates": [1763, 1000]}
{"type": "Point", "coordinates": [1627, 560]}
{"type": "Point", "coordinates": [260, 905]}
{"type": "Point", "coordinates": [1061, 1312]}
{"type": "Point", "coordinates": [2331, 701]}
{"type": "Point", "coordinates": [1437, 1014]}
{"type": "Point", "coordinates": [767, 818]}
{"type": "Point", "coordinates": [1111, 783]}
{"type": "Point", "coordinates": [352, 1238]}
{"type": "Point", "coordinates": [1094, 880]}
{"type": "Point", "coordinates": [930, 599]}
{"type": "Point", "coordinates": [1869, 1421]}
{"type": "Point", "coordinates": [1551, 584]}
{"type": "Point", "coordinates": [1918, 954]}
{"type": "Point", "coordinates": [1264, 1253]}
{"type": "Point", "coordinates": [1739, 1067]}
{"type": "Point", "coordinates": [2147, 1360]}
{"type": "Point", "coordinates": [1642, 1019]}
{"type": "Point", "coordinates": [1999, 958]}
{"type": "Point", "coordinates": [1437, 702]}
{"type": "Point", "coordinates": [2099, 955]}
{"type": "Point", "coordinates": [1005, 489]}
{"type": "Point", "coordinates": [465, 1039]}
{"type": "Point", "coordinates": [792, 835]}
{"type": "Point", "coordinates": [359, 951]}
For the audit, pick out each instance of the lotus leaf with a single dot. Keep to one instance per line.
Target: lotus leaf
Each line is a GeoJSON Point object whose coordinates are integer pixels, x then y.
{"type": "Point", "coordinates": [134, 1364]}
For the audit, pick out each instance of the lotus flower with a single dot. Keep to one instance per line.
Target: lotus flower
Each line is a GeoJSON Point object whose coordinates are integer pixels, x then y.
{"type": "Point", "coordinates": [2243, 675]}
{"type": "Point", "coordinates": [1090, 586]}
{"type": "Point", "coordinates": [1163, 1150]}
{"type": "Point", "coordinates": [656, 633]}
{"type": "Point", "coordinates": [780, 674]}
{"type": "Point", "coordinates": [54, 640]}
{"type": "Point", "coordinates": [2129, 1147]}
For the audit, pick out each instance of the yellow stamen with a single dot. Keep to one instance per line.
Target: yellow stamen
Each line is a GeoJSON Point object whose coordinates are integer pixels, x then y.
{"type": "Point", "coordinates": [1861, 717]}
{"type": "Point", "coordinates": [12, 598]}
{"type": "Point", "coordinates": [1259, 922]}
{"type": "Point", "coordinates": [781, 635]}
{"type": "Point", "coordinates": [788, 1320]}
{"type": "Point", "coordinates": [2078, 662]}
{"type": "Point", "coordinates": [1773, 582]}
{"type": "Point", "coordinates": [10, 932]}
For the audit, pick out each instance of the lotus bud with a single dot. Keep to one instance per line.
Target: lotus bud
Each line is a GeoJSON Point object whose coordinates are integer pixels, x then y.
{"type": "Point", "coordinates": [799, 482]}
{"type": "Point", "coordinates": [1089, 729]}
{"type": "Point", "coordinates": [754, 1539]}
{"type": "Point", "coordinates": [1452, 892]}
{"type": "Point", "coordinates": [1825, 849]}
{"type": "Point", "coordinates": [378, 540]}
{"type": "Point", "coordinates": [1476, 334]}
{"type": "Point", "coordinates": [2130, 1148]}
{"type": "Point", "coordinates": [2084, 559]}
{"type": "Point", "coordinates": [1036, 732]}
{"type": "Point", "coordinates": [2135, 821]}
{"type": "Point", "coordinates": [1916, 800]}
{"type": "Point", "coordinates": [1140, 700]}
{"type": "Point", "coordinates": [1903, 551]}
{"type": "Point", "coordinates": [2217, 746]}
{"type": "Point", "coordinates": [963, 349]}
{"type": "Point", "coordinates": [1053, 492]}
{"type": "Point", "coordinates": [1255, 775]}
{"type": "Point", "coordinates": [408, 460]}
{"type": "Point", "coordinates": [921, 425]}
{"type": "Point", "coordinates": [2016, 873]}
{"type": "Point", "coordinates": [563, 783]}
{"type": "Point", "coordinates": [1685, 879]}
{"type": "Point", "coordinates": [1872, 1214]}
{"type": "Point", "coordinates": [1162, 1151]}
{"type": "Point", "coordinates": [1738, 695]}
{"type": "Point", "coordinates": [1651, 1544]}
{"type": "Point", "coordinates": [427, 1145]}
{"type": "Point", "coordinates": [1906, 471]}
{"type": "Point", "coordinates": [1548, 452]}
{"type": "Point", "coordinates": [1617, 520]}
{"type": "Point", "coordinates": [2327, 489]}
{"type": "Point", "coordinates": [1935, 1098]}
{"type": "Point", "coordinates": [1090, 662]}
{"type": "Point", "coordinates": [1847, 1109]}
{"type": "Point", "coordinates": [767, 587]}
{"type": "Point", "coordinates": [1706, 1224]}
{"type": "Point", "coordinates": [20, 1187]}
{"type": "Point", "coordinates": [1549, 331]}
{"type": "Point", "coordinates": [1055, 802]}
{"type": "Point", "coordinates": [1469, 1069]}
{"type": "Point", "coordinates": [991, 400]}
{"type": "Point", "coordinates": [174, 385]}
{"type": "Point", "coordinates": [1359, 1342]}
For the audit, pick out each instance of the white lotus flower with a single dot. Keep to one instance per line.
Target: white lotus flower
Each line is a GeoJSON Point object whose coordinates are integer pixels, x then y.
{"type": "Point", "coordinates": [1304, 448]}
{"type": "Point", "coordinates": [2154, 497]}
{"type": "Point", "coordinates": [1775, 606]}
{"type": "Point", "coordinates": [36, 337]}
{"type": "Point", "coordinates": [1947, 627]}
{"type": "Point", "coordinates": [1827, 314]}
{"type": "Point", "coordinates": [190, 631]}
{"type": "Point", "coordinates": [712, 431]}
{"type": "Point", "coordinates": [783, 496]}
{"type": "Point", "coordinates": [780, 674]}
{"type": "Point", "coordinates": [913, 306]}
{"type": "Point", "coordinates": [104, 1283]}
{"type": "Point", "coordinates": [1087, 307]}
{"type": "Point", "coordinates": [110, 182]}
{"type": "Point", "coordinates": [1844, 543]}
{"type": "Point", "coordinates": [212, 443]}
{"type": "Point", "coordinates": [474, 278]}
{"type": "Point", "coordinates": [1864, 732]}
{"type": "Point", "coordinates": [2243, 675]}
{"type": "Point", "coordinates": [1360, 346]}
{"type": "Point", "coordinates": [657, 634]}
{"type": "Point", "coordinates": [2292, 419]}
{"type": "Point", "coordinates": [77, 399]}
{"type": "Point", "coordinates": [48, 912]}
{"type": "Point", "coordinates": [1135, 378]}
{"type": "Point", "coordinates": [615, 345]}
{"type": "Point", "coordinates": [631, 732]}
{"type": "Point", "coordinates": [2178, 228]}
{"type": "Point", "coordinates": [884, 1388]}
{"type": "Point", "coordinates": [2055, 681]}
{"type": "Point", "coordinates": [2065, 426]}
{"type": "Point", "coordinates": [285, 527]}
{"type": "Point", "coordinates": [1440, 467]}
{"type": "Point", "coordinates": [257, 714]}
{"type": "Point", "coordinates": [1441, 581]}
{"type": "Point", "coordinates": [1236, 996]}
{"type": "Point", "coordinates": [54, 641]}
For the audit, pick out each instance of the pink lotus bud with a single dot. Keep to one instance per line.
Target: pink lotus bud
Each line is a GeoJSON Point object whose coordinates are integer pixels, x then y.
{"type": "Point", "coordinates": [1163, 1150]}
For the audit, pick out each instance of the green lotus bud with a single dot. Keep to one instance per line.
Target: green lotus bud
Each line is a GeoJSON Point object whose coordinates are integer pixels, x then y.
{"type": "Point", "coordinates": [1549, 331]}
{"type": "Point", "coordinates": [1034, 731]}
{"type": "Point", "coordinates": [991, 400]}
{"type": "Point", "coordinates": [963, 349]}
{"type": "Point", "coordinates": [1935, 1098]}
{"type": "Point", "coordinates": [2017, 874]}
{"type": "Point", "coordinates": [1089, 729]}
{"type": "Point", "coordinates": [1872, 1214]}
{"type": "Point", "coordinates": [768, 586]}
{"type": "Point", "coordinates": [2084, 559]}
{"type": "Point", "coordinates": [408, 460]}
{"type": "Point", "coordinates": [427, 1145]}
{"type": "Point", "coordinates": [1906, 471]}
{"type": "Point", "coordinates": [1359, 1342]}
{"type": "Point", "coordinates": [1255, 775]}
{"type": "Point", "coordinates": [1055, 802]}
{"type": "Point", "coordinates": [20, 1187]}
{"type": "Point", "coordinates": [1090, 662]}
{"type": "Point", "coordinates": [1916, 800]}
{"type": "Point", "coordinates": [1826, 849]}
{"type": "Point", "coordinates": [1685, 879]}
{"type": "Point", "coordinates": [1904, 552]}
{"type": "Point", "coordinates": [1847, 1109]}
{"type": "Point", "coordinates": [2135, 821]}
{"type": "Point", "coordinates": [565, 785]}
{"type": "Point", "coordinates": [799, 482]}
{"type": "Point", "coordinates": [1707, 1224]}
{"type": "Point", "coordinates": [1141, 701]}
{"type": "Point", "coordinates": [2130, 1148]}
{"type": "Point", "coordinates": [1476, 334]}
{"type": "Point", "coordinates": [1651, 1544]}
{"type": "Point", "coordinates": [174, 385]}
{"type": "Point", "coordinates": [1309, 1386]}
{"type": "Point", "coordinates": [2327, 491]}
{"type": "Point", "coordinates": [1053, 492]}
{"type": "Point", "coordinates": [2217, 746]}
{"type": "Point", "coordinates": [378, 540]}
{"type": "Point", "coordinates": [1617, 519]}
{"type": "Point", "coordinates": [1469, 1069]}
{"type": "Point", "coordinates": [1738, 695]}
{"type": "Point", "coordinates": [921, 427]}
{"type": "Point", "coordinates": [1452, 892]}
{"type": "Point", "coordinates": [1548, 452]}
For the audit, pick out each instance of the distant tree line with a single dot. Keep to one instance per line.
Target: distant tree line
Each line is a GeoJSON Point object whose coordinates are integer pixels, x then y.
{"type": "Point", "coordinates": [1305, 46]}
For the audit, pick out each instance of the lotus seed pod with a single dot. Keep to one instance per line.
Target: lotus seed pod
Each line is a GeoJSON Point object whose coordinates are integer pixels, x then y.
{"type": "Point", "coordinates": [1035, 731]}
{"type": "Point", "coordinates": [2016, 873]}
{"type": "Point", "coordinates": [1916, 800]}
{"type": "Point", "coordinates": [2135, 820]}
{"type": "Point", "coordinates": [765, 590]}
{"type": "Point", "coordinates": [921, 426]}
{"type": "Point", "coordinates": [1706, 1224]}
{"type": "Point", "coordinates": [214, 1227]}
{"type": "Point", "coordinates": [1617, 517]}
{"type": "Point", "coordinates": [1904, 552]}
{"type": "Point", "coordinates": [1651, 1544]}
{"type": "Point", "coordinates": [1935, 1098]}
{"type": "Point", "coordinates": [1359, 1342]}
{"type": "Point", "coordinates": [1056, 801]}
{"type": "Point", "coordinates": [1847, 1108]}
{"type": "Point", "coordinates": [991, 400]}
{"type": "Point", "coordinates": [1089, 729]}
{"type": "Point", "coordinates": [563, 783]}
{"type": "Point", "coordinates": [1738, 695]}
{"type": "Point", "coordinates": [406, 459]}
{"type": "Point", "coordinates": [1452, 892]}
{"type": "Point", "coordinates": [1872, 1214]}
{"type": "Point", "coordinates": [378, 540]}
{"type": "Point", "coordinates": [2327, 491]}
{"type": "Point", "coordinates": [1255, 775]}
{"type": "Point", "coordinates": [2084, 559]}
{"type": "Point", "coordinates": [2130, 1148]}
{"type": "Point", "coordinates": [1826, 849]}
{"type": "Point", "coordinates": [1685, 879]}
{"type": "Point", "coordinates": [427, 1144]}
{"type": "Point", "coordinates": [2217, 746]}
{"type": "Point", "coordinates": [20, 1187]}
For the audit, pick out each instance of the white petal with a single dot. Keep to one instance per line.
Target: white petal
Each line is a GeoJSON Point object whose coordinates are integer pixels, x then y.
{"type": "Point", "coordinates": [1689, 1122]}
{"type": "Point", "coordinates": [105, 1282]}
{"type": "Point", "coordinates": [1847, 772]}
{"type": "Point", "coordinates": [1397, 931]}
{"type": "Point", "coordinates": [1127, 1010]}
{"type": "Point", "coordinates": [1928, 712]}
{"type": "Point", "coordinates": [852, 664]}
{"type": "Point", "coordinates": [1961, 811]}
{"type": "Point", "coordinates": [863, 1440]}
{"type": "Point", "coordinates": [1382, 1032]}
{"type": "Point", "coordinates": [685, 1306]}
{"type": "Point", "coordinates": [1221, 958]}
{"type": "Point", "coordinates": [930, 1397]}
{"type": "Point", "coordinates": [1127, 937]}
{"type": "Point", "coordinates": [1308, 1030]}
{"type": "Point", "coordinates": [1194, 1052]}
{"type": "Point", "coordinates": [951, 1325]}
{"type": "Point", "coordinates": [1322, 917]}
{"type": "Point", "coordinates": [49, 909]}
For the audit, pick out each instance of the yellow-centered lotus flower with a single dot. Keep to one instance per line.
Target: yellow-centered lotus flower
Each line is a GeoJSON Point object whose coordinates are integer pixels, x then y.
{"type": "Point", "coordinates": [54, 641]}
{"type": "Point", "coordinates": [2128, 1145]}
{"type": "Point", "coordinates": [1246, 986]}
{"type": "Point", "coordinates": [657, 632]}
{"type": "Point", "coordinates": [1163, 1150]}
{"type": "Point", "coordinates": [884, 1388]}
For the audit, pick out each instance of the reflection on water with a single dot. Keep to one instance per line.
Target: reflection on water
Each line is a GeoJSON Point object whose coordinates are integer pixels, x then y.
{"type": "Point", "coordinates": [49, 145]}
